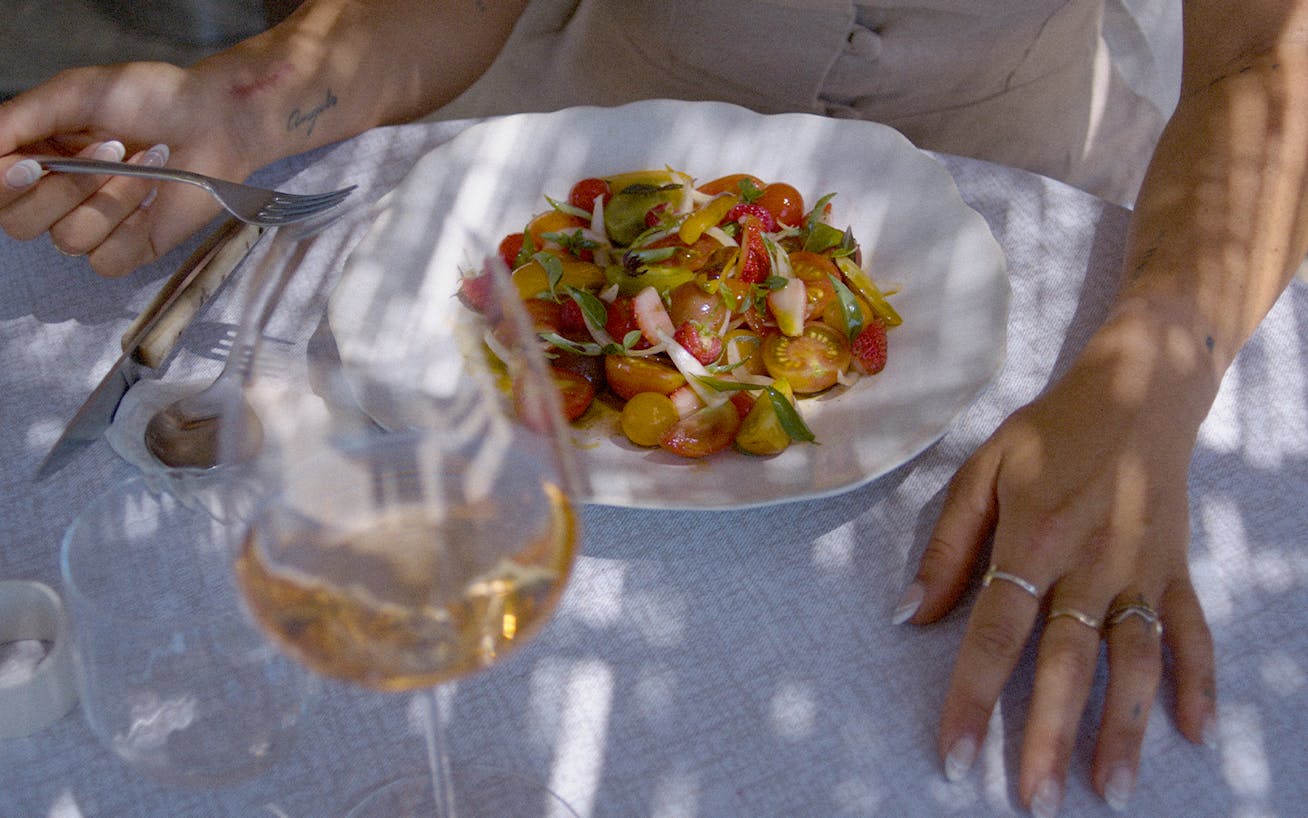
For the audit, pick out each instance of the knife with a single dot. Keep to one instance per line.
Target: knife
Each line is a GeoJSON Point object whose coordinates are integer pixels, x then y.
{"type": "Point", "coordinates": [150, 338]}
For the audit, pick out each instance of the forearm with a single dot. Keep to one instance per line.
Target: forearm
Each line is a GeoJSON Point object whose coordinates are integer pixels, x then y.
{"type": "Point", "coordinates": [1219, 226]}
{"type": "Point", "coordinates": [335, 68]}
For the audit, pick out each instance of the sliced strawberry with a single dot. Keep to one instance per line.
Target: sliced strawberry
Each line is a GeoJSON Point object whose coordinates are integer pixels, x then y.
{"type": "Point", "coordinates": [651, 315]}
{"type": "Point", "coordinates": [765, 217]}
{"type": "Point", "coordinates": [869, 349]}
{"type": "Point", "coordinates": [571, 322]}
{"type": "Point", "coordinates": [755, 266]}
{"type": "Point", "coordinates": [621, 318]}
{"type": "Point", "coordinates": [702, 342]}
{"type": "Point", "coordinates": [478, 293]}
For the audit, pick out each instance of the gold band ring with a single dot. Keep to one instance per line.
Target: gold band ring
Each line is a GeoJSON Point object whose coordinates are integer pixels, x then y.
{"type": "Point", "coordinates": [1072, 613]}
{"type": "Point", "coordinates": [993, 573]}
{"type": "Point", "coordinates": [1140, 609]}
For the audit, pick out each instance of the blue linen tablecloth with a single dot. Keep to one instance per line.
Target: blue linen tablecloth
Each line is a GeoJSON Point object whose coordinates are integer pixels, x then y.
{"type": "Point", "coordinates": [726, 663]}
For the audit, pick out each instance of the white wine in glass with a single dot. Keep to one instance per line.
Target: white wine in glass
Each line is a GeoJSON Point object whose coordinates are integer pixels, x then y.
{"type": "Point", "coordinates": [414, 517]}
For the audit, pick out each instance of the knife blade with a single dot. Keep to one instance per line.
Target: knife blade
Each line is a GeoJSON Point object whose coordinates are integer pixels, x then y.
{"type": "Point", "coordinates": [148, 340]}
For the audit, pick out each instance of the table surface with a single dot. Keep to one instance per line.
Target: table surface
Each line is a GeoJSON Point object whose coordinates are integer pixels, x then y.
{"type": "Point", "coordinates": [727, 663]}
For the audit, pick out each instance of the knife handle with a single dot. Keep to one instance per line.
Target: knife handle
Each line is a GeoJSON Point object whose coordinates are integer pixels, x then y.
{"type": "Point", "coordinates": [217, 257]}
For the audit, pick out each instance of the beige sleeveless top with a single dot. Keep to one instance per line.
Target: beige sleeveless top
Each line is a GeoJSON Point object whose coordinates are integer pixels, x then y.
{"type": "Point", "coordinates": [1026, 83]}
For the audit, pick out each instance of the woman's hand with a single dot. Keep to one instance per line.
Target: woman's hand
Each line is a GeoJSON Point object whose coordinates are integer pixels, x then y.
{"type": "Point", "coordinates": [1084, 492]}
{"type": "Point", "coordinates": [142, 112]}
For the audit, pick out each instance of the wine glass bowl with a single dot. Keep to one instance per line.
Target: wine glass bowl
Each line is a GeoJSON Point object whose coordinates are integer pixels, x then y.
{"type": "Point", "coordinates": [391, 561]}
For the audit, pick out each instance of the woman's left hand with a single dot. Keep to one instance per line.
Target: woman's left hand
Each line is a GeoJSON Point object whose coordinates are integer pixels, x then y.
{"type": "Point", "coordinates": [1084, 492]}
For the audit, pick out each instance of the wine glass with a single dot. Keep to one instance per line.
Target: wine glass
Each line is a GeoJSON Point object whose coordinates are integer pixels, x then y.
{"type": "Point", "coordinates": [414, 520]}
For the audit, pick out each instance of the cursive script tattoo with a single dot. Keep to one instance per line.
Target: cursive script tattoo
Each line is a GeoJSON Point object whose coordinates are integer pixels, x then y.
{"type": "Point", "coordinates": [309, 119]}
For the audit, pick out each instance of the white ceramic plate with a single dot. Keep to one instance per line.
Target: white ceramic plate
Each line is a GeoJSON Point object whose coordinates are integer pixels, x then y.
{"type": "Point", "coordinates": [917, 235]}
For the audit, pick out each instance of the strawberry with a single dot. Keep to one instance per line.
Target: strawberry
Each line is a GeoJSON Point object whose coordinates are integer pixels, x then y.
{"type": "Point", "coordinates": [869, 349]}
{"type": "Point", "coordinates": [764, 216]}
{"type": "Point", "coordinates": [699, 340]}
{"type": "Point", "coordinates": [478, 293]}
{"type": "Point", "coordinates": [622, 320]}
{"type": "Point", "coordinates": [571, 323]}
{"type": "Point", "coordinates": [755, 266]}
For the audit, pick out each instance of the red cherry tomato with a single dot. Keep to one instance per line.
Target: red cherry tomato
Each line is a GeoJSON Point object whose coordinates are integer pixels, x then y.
{"type": "Point", "coordinates": [784, 202]}
{"type": "Point", "coordinates": [510, 247]}
{"type": "Point", "coordinates": [705, 432]}
{"type": "Point", "coordinates": [585, 192]}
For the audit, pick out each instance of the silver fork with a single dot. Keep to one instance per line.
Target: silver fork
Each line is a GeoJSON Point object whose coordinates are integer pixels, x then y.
{"type": "Point", "coordinates": [256, 205]}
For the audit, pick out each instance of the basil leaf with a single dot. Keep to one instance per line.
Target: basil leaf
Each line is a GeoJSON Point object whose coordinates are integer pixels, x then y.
{"type": "Point", "coordinates": [554, 339]}
{"type": "Point", "coordinates": [774, 282]}
{"type": "Point", "coordinates": [591, 307]}
{"type": "Point", "coordinates": [553, 268]}
{"type": "Point", "coordinates": [849, 309]}
{"type": "Point", "coordinates": [788, 415]}
{"type": "Point", "coordinates": [822, 238]}
{"type": "Point", "coordinates": [814, 217]}
{"type": "Point", "coordinates": [720, 385]}
{"type": "Point", "coordinates": [748, 190]}
{"type": "Point", "coordinates": [571, 210]}
{"type": "Point", "coordinates": [631, 339]}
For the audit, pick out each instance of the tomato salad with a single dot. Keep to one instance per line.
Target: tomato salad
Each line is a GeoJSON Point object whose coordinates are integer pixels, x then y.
{"type": "Point", "coordinates": [704, 311]}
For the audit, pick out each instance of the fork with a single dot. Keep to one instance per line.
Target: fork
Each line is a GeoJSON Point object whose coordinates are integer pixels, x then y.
{"type": "Point", "coordinates": [256, 205]}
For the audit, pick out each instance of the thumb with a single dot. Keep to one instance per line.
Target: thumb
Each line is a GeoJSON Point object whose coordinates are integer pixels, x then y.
{"type": "Point", "coordinates": [966, 522]}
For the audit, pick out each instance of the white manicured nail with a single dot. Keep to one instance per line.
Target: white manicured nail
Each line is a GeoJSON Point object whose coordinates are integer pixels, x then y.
{"type": "Point", "coordinates": [960, 758]}
{"type": "Point", "coordinates": [23, 173]}
{"type": "Point", "coordinates": [149, 198]}
{"type": "Point", "coordinates": [111, 151]}
{"type": "Point", "coordinates": [1118, 789]}
{"type": "Point", "coordinates": [908, 604]}
{"type": "Point", "coordinates": [1044, 804]}
{"type": "Point", "coordinates": [156, 157]}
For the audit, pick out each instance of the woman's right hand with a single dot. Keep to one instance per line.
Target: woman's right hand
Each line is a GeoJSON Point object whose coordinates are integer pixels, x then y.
{"type": "Point", "coordinates": [141, 112]}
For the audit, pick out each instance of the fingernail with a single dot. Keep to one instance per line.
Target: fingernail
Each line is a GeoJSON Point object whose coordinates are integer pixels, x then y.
{"type": "Point", "coordinates": [1210, 733]}
{"type": "Point", "coordinates": [1117, 791]}
{"type": "Point", "coordinates": [960, 758]}
{"type": "Point", "coordinates": [156, 157]}
{"type": "Point", "coordinates": [149, 198]}
{"type": "Point", "coordinates": [111, 151]}
{"type": "Point", "coordinates": [23, 173]}
{"type": "Point", "coordinates": [908, 604]}
{"type": "Point", "coordinates": [1044, 804]}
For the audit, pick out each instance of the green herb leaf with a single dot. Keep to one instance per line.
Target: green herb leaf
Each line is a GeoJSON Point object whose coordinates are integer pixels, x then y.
{"type": "Point", "coordinates": [571, 210]}
{"type": "Point", "coordinates": [591, 307]}
{"type": "Point", "coordinates": [727, 386]}
{"type": "Point", "coordinates": [572, 242]}
{"type": "Point", "coordinates": [559, 341]}
{"type": "Point", "coordinates": [774, 282]}
{"type": "Point", "coordinates": [553, 269]}
{"type": "Point", "coordinates": [814, 216]}
{"type": "Point", "coordinates": [849, 308]}
{"type": "Point", "coordinates": [631, 339]}
{"type": "Point", "coordinates": [822, 237]}
{"type": "Point", "coordinates": [748, 190]}
{"type": "Point", "coordinates": [526, 252]}
{"type": "Point", "coordinates": [788, 415]}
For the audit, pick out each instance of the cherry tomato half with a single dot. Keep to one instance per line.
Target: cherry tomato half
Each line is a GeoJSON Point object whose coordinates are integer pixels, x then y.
{"type": "Point", "coordinates": [705, 432]}
{"type": "Point", "coordinates": [628, 376]}
{"type": "Point", "coordinates": [585, 192]}
{"type": "Point", "coordinates": [810, 361]}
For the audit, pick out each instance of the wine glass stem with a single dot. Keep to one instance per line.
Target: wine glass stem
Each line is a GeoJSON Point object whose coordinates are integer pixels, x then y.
{"type": "Point", "coordinates": [435, 702]}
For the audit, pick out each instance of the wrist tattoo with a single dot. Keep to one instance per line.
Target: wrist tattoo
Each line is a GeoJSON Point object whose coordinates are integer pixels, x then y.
{"type": "Point", "coordinates": [308, 119]}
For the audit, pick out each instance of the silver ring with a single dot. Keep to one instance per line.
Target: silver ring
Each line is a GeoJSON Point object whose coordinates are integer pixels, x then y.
{"type": "Point", "coordinates": [1072, 613]}
{"type": "Point", "coordinates": [993, 573]}
{"type": "Point", "coordinates": [1140, 609]}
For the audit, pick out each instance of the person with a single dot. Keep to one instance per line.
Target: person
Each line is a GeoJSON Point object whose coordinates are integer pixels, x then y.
{"type": "Point", "coordinates": [1078, 502]}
